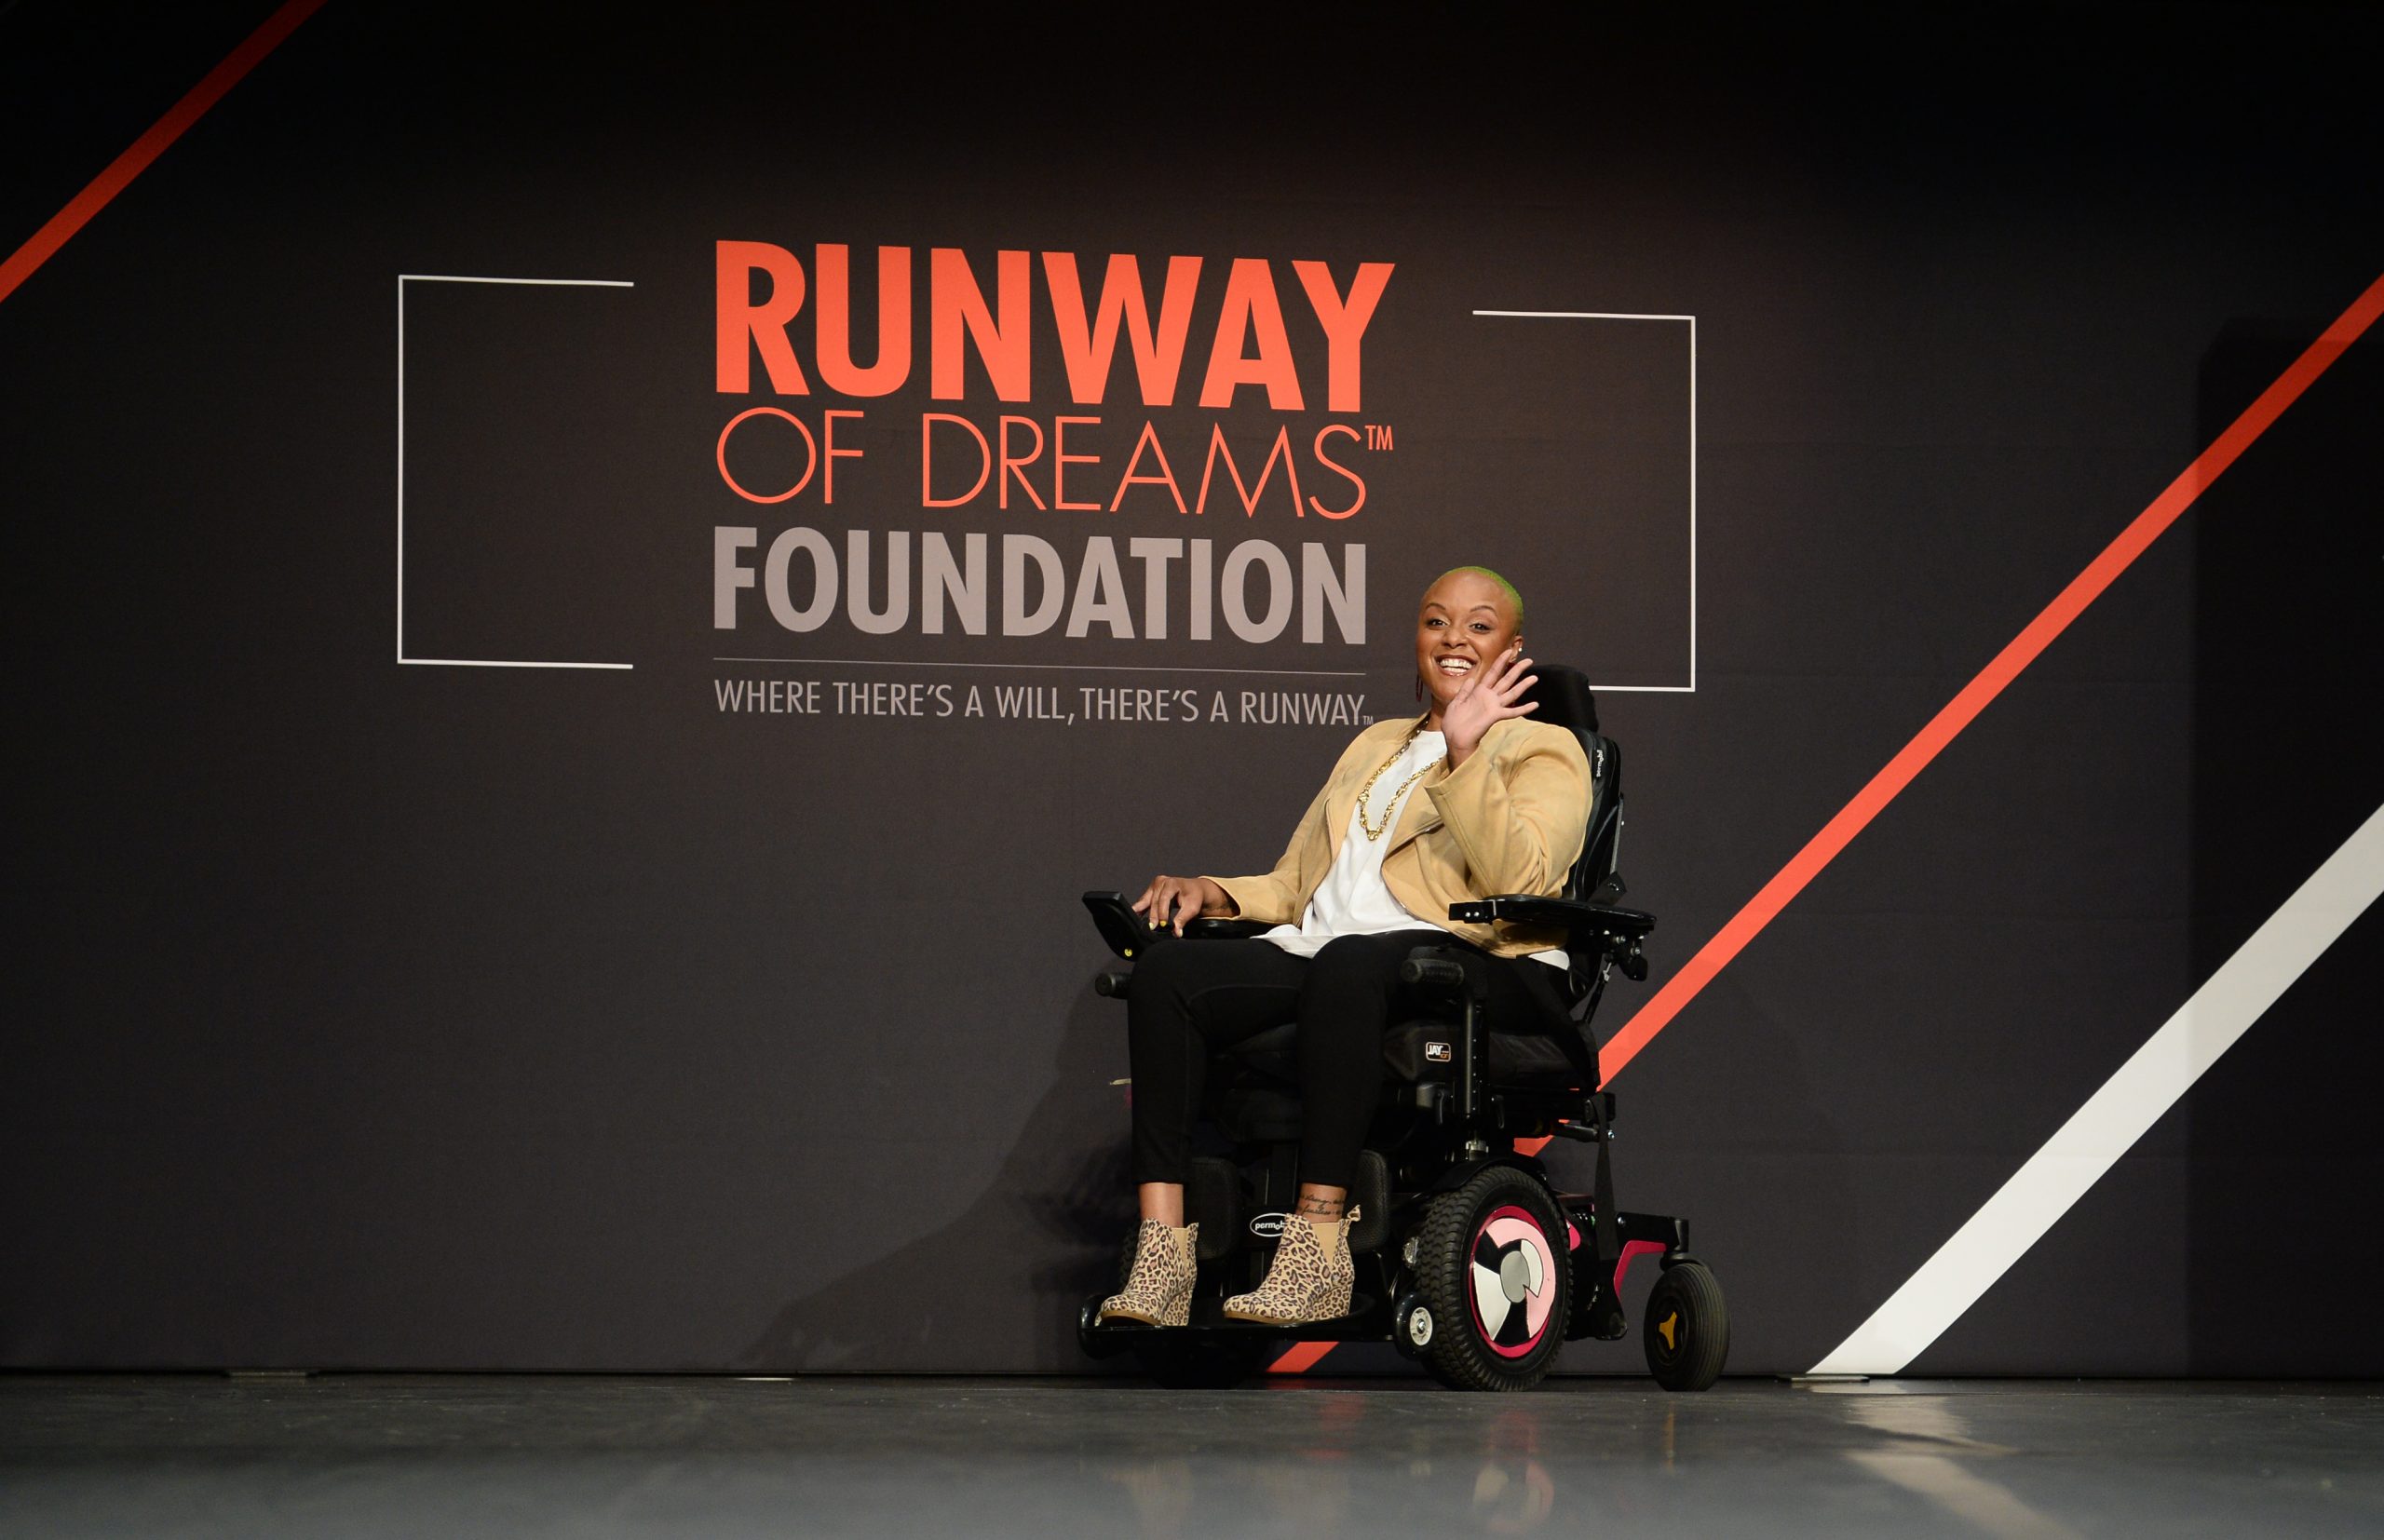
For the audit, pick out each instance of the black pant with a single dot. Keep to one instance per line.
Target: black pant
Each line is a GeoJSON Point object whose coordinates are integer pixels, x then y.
{"type": "Point", "coordinates": [1191, 998]}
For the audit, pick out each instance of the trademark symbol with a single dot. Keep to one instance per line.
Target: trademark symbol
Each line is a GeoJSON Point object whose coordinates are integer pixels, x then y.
{"type": "Point", "coordinates": [1379, 435]}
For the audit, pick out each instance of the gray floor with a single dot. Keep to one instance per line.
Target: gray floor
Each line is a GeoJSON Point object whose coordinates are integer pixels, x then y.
{"type": "Point", "coordinates": [454, 1455]}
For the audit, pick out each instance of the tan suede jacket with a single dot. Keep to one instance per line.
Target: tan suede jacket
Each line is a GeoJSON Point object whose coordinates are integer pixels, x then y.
{"type": "Point", "coordinates": [1510, 819]}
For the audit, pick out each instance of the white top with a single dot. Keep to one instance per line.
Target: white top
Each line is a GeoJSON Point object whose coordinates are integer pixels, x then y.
{"type": "Point", "coordinates": [1353, 899]}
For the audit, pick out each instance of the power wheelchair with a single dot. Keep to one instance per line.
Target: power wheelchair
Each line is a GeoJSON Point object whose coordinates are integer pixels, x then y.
{"type": "Point", "coordinates": [1469, 1258]}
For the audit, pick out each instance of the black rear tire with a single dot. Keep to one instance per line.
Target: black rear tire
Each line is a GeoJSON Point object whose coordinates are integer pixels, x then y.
{"type": "Point", "coordinates": [1493, 1265]}
{"type": "Point", "coordinates": [1686, 1328]}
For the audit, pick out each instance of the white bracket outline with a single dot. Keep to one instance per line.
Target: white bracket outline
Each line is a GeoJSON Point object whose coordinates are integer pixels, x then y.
{"type": "Point", "coordinates": [1689, 688]}
{"type": "Point", "coordinates": [405, 278]}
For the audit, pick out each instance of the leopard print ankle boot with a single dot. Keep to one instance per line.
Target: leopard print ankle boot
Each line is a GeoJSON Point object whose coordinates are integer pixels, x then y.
{"type": "Point", "coordinates": [1310, 1278]}
{"type": "Point", "coordinates": [1158, 1286]}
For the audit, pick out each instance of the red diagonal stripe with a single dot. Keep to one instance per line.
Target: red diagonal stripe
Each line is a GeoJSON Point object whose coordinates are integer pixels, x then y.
{"type": "Point", "coordinates": [1299, 1357]}
{"type": "Point", "coordinates": [27, 259]}
{"type": "Point", "coordinates": [1960, 711]}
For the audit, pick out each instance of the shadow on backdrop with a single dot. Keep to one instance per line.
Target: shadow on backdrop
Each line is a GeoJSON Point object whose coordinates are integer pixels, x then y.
{"type": "Point", "coordinates": [1054, 1211]}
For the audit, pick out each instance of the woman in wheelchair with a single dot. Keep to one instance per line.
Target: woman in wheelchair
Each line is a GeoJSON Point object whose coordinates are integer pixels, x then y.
{"type": "Point", "coordinates": [1469, 800]}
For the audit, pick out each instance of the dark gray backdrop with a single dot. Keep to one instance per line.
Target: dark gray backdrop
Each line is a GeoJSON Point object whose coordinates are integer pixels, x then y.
{"type": "Point", "coordinates": [424, 1017]}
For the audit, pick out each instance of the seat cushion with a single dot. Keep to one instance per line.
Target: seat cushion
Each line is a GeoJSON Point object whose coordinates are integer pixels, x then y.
{"type": "Point", "coordinates": [1270, 1053]}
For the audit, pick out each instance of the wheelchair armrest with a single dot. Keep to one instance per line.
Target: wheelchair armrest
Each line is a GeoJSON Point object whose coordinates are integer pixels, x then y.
{"type": "Point", "coordinates": [1226, 930]}
{"type": "Point", "coordinates": [1128, 937]}
{"type": "Point", "coordinates": [1605, 921]}
{"type": "Point", "coordinates": [1601, 930]}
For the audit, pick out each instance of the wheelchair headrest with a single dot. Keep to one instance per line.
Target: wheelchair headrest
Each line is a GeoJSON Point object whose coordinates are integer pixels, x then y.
{"type": "Point", "coordinates": [1564, 698]}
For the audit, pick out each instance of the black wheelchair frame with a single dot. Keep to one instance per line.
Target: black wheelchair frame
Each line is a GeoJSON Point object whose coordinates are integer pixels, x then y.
{"type": "Point", "coordinates": [1470, 1260]}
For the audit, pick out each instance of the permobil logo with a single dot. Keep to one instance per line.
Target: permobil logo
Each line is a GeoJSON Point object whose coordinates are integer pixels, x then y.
{"type": "Point", "coordinates": [1268, 1226]}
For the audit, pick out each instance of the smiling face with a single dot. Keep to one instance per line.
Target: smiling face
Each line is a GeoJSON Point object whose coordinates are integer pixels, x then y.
{"type": "Point", "coordinates": [1466, 620]}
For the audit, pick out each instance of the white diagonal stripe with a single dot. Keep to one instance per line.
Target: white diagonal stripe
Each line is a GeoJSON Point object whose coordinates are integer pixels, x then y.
{"type": "Point", "coordinates": [2117, 1116]}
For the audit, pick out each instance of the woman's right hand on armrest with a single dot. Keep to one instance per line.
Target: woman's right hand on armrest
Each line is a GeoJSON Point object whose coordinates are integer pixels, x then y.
{"type": "Point", "coordinates": [1169, 901]}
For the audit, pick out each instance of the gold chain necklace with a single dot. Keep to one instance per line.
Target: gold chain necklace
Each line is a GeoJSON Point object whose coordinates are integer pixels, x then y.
{"type": "Point", "coordinates": [1376, 831]}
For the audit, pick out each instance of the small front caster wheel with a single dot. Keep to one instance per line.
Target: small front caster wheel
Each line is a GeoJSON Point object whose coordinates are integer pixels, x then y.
{"type": "Point", "coordinates": [1412, 1326]}
{"type": "Point", "coordinates": [1686, 1328]}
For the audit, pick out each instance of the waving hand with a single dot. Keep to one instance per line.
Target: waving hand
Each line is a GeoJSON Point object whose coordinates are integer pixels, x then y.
{"type": "Point", "coordinates": [1488, 697]}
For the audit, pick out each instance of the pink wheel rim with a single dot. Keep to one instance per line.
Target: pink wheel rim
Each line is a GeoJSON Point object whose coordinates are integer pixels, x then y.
{"type": "Point", "coordinates": [1510, 1278]}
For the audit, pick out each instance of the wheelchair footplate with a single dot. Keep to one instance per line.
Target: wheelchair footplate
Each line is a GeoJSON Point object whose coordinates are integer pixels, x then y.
{"type": "Point", "coordinates": [1367, 1321]}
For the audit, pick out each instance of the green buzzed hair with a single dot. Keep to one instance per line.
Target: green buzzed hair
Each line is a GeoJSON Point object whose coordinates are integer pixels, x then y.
{"type": "Point", "coordinates": [1504, 587]}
